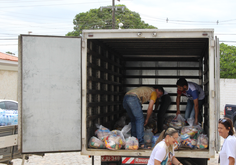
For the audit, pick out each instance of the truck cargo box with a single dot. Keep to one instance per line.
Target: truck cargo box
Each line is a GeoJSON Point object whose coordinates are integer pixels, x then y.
{"type": "Point", "coordinates": [69, 84]}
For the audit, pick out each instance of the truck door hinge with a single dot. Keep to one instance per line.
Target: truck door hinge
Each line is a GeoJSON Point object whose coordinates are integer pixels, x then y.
{"type": "Point", "coordinates": [212, 93]}
{"type": "Point", "coordinates": [213, 144]}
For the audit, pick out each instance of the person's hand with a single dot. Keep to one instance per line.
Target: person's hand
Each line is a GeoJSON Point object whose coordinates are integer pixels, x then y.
{"type": "Point", "coordinates": [178, 112]}
{"type": "Point", "coordinates": [145, 122]}
{"type": "Point", "coordinates": [196, 121]}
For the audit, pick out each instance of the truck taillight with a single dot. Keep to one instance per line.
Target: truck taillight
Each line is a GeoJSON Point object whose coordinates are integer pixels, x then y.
{"type": "Point", "coordinates": [224, 111]}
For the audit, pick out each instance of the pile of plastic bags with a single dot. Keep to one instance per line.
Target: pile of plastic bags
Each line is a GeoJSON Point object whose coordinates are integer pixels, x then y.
{"type": "Point", "coordinates": [192, 137]}
{"type": "Point", "coordinates": [113, 140]}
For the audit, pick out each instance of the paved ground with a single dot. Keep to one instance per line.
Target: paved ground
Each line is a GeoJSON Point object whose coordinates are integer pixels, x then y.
{"type": "Point", "coordinates": [73, 158]}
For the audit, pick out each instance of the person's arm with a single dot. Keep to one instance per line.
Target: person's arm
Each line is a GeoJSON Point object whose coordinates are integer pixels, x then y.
{"type": "Point", "coordinates": [156, 162]}
{"type": "Point", "coordinates": [149, 111]}
{"type": "Point", "coordinates": [231, 161]}
{"type": "Point", "coordinates": [175, 161]}
{"type": "Point", "coordinates": [177, 104]}
{"type": "Point", "coordinates": [196, 110]}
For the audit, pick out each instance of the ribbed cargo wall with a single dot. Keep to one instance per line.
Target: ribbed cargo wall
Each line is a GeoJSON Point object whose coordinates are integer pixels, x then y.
{"type": "Point", "coordinates": [164, 73]}
{"type": "Point", "coordinates": [104, 86]}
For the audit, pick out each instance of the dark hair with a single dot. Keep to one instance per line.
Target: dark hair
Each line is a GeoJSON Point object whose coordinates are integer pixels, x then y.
{"type": "Point", "coordinates": [160, 88]}
{"type": "Point", "coordinates": [181, 82]}
{"type": "Point", "coordinates": [227, 123]}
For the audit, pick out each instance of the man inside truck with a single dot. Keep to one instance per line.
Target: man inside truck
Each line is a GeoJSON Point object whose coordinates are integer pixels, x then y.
{"type": "Point", "coordinates": [195, 96]}
{"type": "Point", "coordinates": [133, 101]}
{"type": "Point", "coordinates": [164, 102]}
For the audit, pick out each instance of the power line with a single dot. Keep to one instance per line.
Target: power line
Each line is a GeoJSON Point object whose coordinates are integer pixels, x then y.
{"type": "Point", "coordinates": [52, 4]}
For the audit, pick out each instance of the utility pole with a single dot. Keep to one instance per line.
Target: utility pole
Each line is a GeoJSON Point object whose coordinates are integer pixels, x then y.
{"type": "Point", "coordinates": [113, 7]}
{"type": "Point", "coordinates": [113, 14]}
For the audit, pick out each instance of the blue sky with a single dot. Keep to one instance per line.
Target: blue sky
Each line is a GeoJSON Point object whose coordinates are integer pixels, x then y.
{"type": "Point", "coordinates": [55, 17]}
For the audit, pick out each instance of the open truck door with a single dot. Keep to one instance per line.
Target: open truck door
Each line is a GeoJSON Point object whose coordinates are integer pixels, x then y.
{"type": "Point", "coordinates": [49, 94]}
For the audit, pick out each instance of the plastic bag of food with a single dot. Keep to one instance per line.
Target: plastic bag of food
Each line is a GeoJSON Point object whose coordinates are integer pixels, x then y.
{"type": "Point", "coordinates": [177, 144]}
{"type": "Point", "coordinates": [119, 134]}
{"type": "Point", "coordinates": [148, 137]}
{"type": "Point", "coordinates": [177, 124]}
{"type": "Point", "coordinates": [186, 141]}
{"type": "Point", "coordinates": [96, 143]}
{"type": "Point", "coordinates": [113, 141]}
{"type": "Point", "coordinates": [102, 132]}
{"type": "Point", "coordinates": [200, 131]}
{"type": "Point", "coordinates": [191, 130]}
{"type": "Point", "coordinates": [154, 139]}
{"type": "Point", "coordinates": [182, 119]}
{"type": "Point", "coordinates": [131, 143]}
{"type": "Point", "coordinates": [202, 141]}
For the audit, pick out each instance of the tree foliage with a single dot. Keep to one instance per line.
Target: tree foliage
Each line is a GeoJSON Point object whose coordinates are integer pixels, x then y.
{"type": "Point", "coordinates": [8, 52]}
{"type": "Point", "coordinates": [97, 19]}
{"type": "Point", "coordinates": [227, 61]}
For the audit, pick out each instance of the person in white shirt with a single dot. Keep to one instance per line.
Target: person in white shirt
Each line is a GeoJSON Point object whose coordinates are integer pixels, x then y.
{"type": "Point", "coordinates": [163, 152]}
{"type": "Point", "coordinates": [228, 151]}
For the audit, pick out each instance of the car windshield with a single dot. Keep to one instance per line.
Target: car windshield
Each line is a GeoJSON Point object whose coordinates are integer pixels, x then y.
{"type": "Point", "coordinates": [2, 105]}
{"type": "Point", "coordinates": [9, 105]}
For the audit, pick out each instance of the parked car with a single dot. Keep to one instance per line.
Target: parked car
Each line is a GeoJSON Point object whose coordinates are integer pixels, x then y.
{"type": "Point", "coordinates": [230, 112]}
{"type": "Point", "coordinates": [8, 104]}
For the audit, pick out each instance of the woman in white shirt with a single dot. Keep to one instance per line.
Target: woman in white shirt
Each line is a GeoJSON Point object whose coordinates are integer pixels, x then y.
{"type": "Point", "coordinates": [228, 151]}
{"type": "Point", "coordinates": [163, 152]}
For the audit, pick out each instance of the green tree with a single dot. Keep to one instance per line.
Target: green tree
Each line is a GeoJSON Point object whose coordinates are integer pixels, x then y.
{"type": "Point", "coordinates": [227, 61]}
{"type": "Point", "coordinates": [97, 19]}
{"type": "Point", "coordinates": [10, 53]}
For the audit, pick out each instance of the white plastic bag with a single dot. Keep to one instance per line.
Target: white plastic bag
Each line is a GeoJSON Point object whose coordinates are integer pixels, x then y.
{"type": "Point", "coordinates": [190, 121]}
{"type": "Point", "coordinates": [131, 143]}
{"type": "Point", "coordinates": [96, 143]}
{"type": "Point", "coordinates": [181, 118]}
{"type": "Point", "coordinates": [202, 141]}
{"type": "Point", "coordinates": [125, 130]}
{"type": "Point", "coordinates": [178, 122]}
{"type": "Point", "coordinates": [191, 129]}
{"type": "Point", "coordinates": [119, 134]}
{"type": "Point", "coordinates": [114, 141]}
{"type": "Point", "coordinates": [102, 132]}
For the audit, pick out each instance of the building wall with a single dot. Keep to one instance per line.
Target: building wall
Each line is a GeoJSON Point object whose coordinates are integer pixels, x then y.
{"type": "Point", "coordinates": [8, 84]}
{"type": "Point", "coordinates": [227, 92]}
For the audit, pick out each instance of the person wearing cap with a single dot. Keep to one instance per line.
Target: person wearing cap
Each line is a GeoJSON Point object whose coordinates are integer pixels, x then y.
{"type": "Point", "coordinates": [195, 96]}
{"type": "Point", "coordinates": [132, 103]}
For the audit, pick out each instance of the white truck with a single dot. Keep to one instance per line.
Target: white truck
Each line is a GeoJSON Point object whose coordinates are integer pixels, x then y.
{"type": "Point", "coordinates": [68, 84]}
